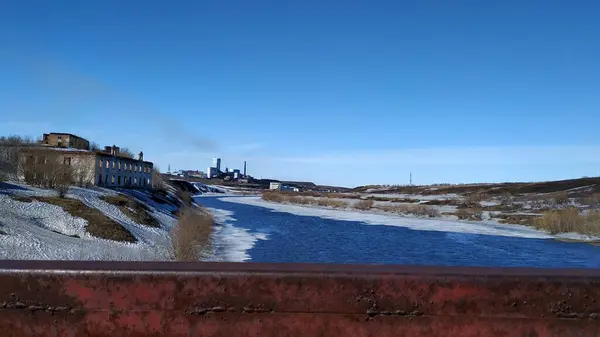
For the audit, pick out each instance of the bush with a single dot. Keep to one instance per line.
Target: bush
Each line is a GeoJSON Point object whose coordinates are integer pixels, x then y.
{"type": "Point", "coordinates": [469, 214]}
{"type": "Point", "coordinates": [191, 237]}
{"type": "Point", "coordinates": [62, 190]}
{"type": "Point", "coordinates": [330, 203]}
{"type": "Point", "coordinates": [364, 205]}
{"type": "Point", "coordinates": [561, 221]}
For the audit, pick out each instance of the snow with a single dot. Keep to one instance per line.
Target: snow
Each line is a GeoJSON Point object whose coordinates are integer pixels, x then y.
{"type": "Point", "coordinates": [231, 243]}
{"type": "Point", "coordinates": [445, 225]}
{"type": "Point", "coordinates": [38, 230]}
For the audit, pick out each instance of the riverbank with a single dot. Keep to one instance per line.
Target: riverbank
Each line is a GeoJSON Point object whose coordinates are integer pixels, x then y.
{"type": "Point", "coordinates": [445, 224]}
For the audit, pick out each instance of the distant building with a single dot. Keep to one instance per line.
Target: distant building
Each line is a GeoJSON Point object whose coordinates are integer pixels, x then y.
{"type": "Point", "coordinates": [192, 174]}
{"type": "Point", "coordinates": [216, 163]}
{"type": "Point", "coordinates": [212, 172]}
{"type": "Point", "coordinates": [275, 186]}
{"type": "Point", "coordinates": [65, 140]}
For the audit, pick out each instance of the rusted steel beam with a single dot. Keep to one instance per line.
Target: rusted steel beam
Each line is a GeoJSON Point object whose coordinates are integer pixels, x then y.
{"type": "Point", "coordinates": [41, 298]}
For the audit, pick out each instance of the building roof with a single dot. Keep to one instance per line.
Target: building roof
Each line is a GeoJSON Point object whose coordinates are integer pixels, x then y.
{"type": "Point", "coordinates": [64, 134]}
{"type": "Point", "coordinates": [133, 160]}
{"type": "Point", "coordinates": [58, 149]}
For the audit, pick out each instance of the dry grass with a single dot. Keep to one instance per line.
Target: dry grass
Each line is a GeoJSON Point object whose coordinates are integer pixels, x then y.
{"type": "Point", "coordinates": [330, 203]}
{"type": "Point", "coordinates": [469, 214]}
{"type": "Point", "coordinates": [21, 198]}
{"type": "Point", "coordinates": [302, 200]}
{"type": "Point", "coordinates": [133, 209]}
{"type": "Point", "coordinates": [516, 219]}
{"type": "Point", "coordinates": [364, 205]}
{"type": "Point", "coordinates": [191, 237]}
{"type": "Point", "coordinates": [99, 225]}
{"type": "Point", "coordinates": [403, 200]}
{"type": "Point", "coordinates": [561, 221]}
{"type": "Point", "coordinates": [561, 198]}
{"type": "Point", "coordinates": [418, 210]}
{"type": "Point", "coordinates": [592, 200]}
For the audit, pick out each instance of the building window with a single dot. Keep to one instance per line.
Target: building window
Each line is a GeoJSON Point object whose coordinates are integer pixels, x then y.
{"type": "Point", "coordinates": [107, 164]}
{"type": "Point", "coordinates": [106, 179]}
{"type": "Point", "coordinates": [100, 163]}
{"type": "Point", "coordinates": [113, 179]}
{"type": "Point", "coordinates": [99, 179]}
{"type": "Point", "coordinates": [67, 161]}
{"type": "Point", "coordinates": [119, 166]}
{"type": "Point", "coordinates": [129, 167]}
{"type": "Point", "coordinates": [119, 180]}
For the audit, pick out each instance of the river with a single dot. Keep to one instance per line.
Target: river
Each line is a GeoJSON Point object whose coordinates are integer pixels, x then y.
{"type": "Point", "coordinates": [258, 234]}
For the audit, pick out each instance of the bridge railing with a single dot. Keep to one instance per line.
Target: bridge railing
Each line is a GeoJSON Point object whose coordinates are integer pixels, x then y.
{"type": "Point", "coordinates": [41, 298]}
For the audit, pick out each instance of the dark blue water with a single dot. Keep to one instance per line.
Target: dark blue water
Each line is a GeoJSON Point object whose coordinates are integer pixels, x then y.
{"type": "Point", "coordinates": [293, 238]}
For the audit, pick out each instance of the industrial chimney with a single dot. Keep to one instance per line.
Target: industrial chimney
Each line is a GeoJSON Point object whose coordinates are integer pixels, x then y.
{"type": "Point", "coordinates": [244, 168]}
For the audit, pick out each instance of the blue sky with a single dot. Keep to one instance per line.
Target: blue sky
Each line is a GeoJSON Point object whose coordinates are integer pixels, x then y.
{"type": "Point", "coordinates": [337, 92]}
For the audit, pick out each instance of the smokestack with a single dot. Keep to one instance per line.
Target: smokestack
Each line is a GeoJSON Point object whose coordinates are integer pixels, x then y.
{"type": "Point", "coordinates": [244, 168]}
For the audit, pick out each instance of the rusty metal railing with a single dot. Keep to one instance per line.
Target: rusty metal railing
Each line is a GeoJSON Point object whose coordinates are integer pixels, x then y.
{"type": "Point", "coordinates": [232, 299]}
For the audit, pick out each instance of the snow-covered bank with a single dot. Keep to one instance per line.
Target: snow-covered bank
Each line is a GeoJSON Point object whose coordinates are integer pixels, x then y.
{"type": "Point", "coordinates": [484, 227]}
{"type": "Point", "coordinates": [38, 230]}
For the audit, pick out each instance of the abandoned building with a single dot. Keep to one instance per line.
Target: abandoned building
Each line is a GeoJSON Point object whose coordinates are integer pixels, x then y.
{"type": "Point", "coordinates": [103, 168]}
{"type": "Point", "coordinates": [65, 140]}
{"type": "Point", "coordinates": [115, 170]}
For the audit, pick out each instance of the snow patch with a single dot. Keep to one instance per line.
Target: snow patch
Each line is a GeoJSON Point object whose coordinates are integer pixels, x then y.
{"type": "Point", "coordinates": [230, 243]}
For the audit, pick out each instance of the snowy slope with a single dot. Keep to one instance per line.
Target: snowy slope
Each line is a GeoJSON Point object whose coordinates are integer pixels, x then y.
{"type": "Point", "coordinates": [39, 230]}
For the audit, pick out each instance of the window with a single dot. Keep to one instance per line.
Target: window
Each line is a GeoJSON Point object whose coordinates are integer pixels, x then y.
{"type": "Point", "coordinates": [114, 165]}
{"type": "Point", "coordinates": [119, 180]}
{"type": "Point", "coordinates": [99, 179]}
{"type": "Point", "coordinates": [135, 168]}
{"type": "Point", "coordinates": [119, 166]}
{"type": "Point", "coordinates": [100, 163]}
{"type": "Point", "coordinates": [129, 167]}
{"type": "Point", "coordinates": [106, 179]}
{"type": "Point", "coordinates": [67, 161]}
{"type": "Point", "coordinates": [113, 179]}
{"type": "Point", "coordinates": [107, 164]}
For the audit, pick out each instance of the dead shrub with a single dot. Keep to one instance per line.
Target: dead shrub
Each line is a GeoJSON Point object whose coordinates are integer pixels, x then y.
{"type": "Point", "coordinates": [432, 212]}
{"type": "Point", "coordinates": [469, 214]}
{"type": "Point", "coordinates": [364, 204]}
{"type": "Point", "coordinates": [330, 203]}
{"type": "Point", "coordinates": [396, 209]}
{"type": "Point", "coordinates": [191, 237]}
{"type": "Point", "coordinates": [560, 221]}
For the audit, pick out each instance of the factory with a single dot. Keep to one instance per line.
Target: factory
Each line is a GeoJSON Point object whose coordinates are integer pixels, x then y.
{"type": "Point", "coordinates": [214, 171]}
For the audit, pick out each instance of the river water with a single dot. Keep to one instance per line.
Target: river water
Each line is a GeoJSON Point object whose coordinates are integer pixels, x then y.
{"type": "Point", "coordinates": [270, 236]}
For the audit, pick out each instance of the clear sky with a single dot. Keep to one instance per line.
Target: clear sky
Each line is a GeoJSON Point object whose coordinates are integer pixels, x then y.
{"type": "Point", "coordinates": [335, 92]}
